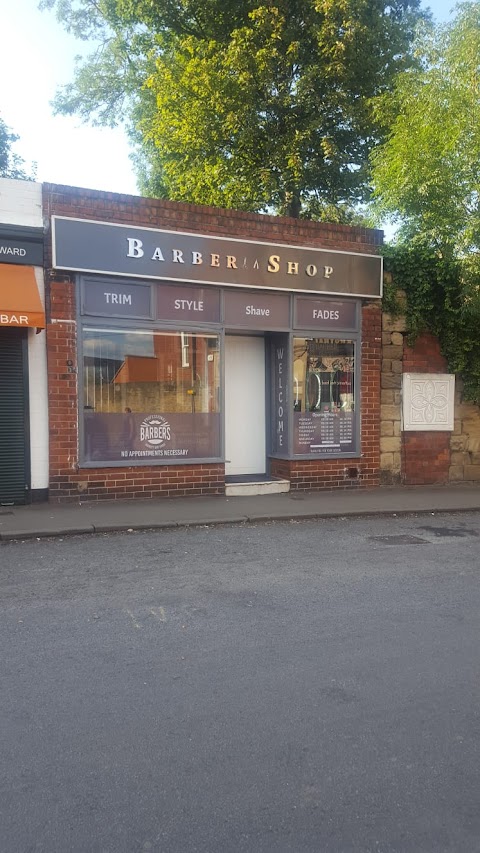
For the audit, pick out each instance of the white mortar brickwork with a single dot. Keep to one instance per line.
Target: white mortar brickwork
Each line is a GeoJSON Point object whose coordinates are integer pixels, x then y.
{"type": "Point", "coordinates": [21, 203]}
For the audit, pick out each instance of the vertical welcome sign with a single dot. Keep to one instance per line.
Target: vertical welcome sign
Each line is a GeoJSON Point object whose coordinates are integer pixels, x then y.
{"type": "Point", "coordinates": [281, 396]}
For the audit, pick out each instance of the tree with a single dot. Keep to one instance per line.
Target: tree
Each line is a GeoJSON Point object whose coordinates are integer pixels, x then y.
{"type": "Point", "coordinates": [427, 173]}
{"type": "Point", "coordinates": [239, 104]}
{"type": "Point", "coordinates": [11, 164]}
{"type": "Point", "coordinates": [433, 292]}
{"type": "Point", "coordinates": [427, 177]}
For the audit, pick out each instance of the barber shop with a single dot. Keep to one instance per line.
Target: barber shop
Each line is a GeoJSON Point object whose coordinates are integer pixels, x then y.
{"type": "Point", "coordinates": [198, 351]}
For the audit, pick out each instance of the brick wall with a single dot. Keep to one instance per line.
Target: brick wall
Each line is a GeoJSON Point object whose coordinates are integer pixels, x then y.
{"type": "Point", "coordinates": [426, 454]}
{"type": "Point", "coordinates": [424, 357]}
{"type": "Point", "coordinates": [142, 482]}
{"type": "Point", "coordinates": [426, 458]}
{"type": "Point", "coordinates": [158, 213]}
{"type": "Point", "coordinates": [67, 481]}
{"type": "Point", "coordinates": [413, 458]}
{"type": "Point", "coordinates": [421, 458]}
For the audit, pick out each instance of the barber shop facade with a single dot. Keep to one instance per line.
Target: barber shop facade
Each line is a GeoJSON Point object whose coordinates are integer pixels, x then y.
{"type": "Point", "coordinates": [198, 351]}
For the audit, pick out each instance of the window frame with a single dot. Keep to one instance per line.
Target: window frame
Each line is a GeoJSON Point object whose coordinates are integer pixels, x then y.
{"type": "Point", "coordinates": [123, 324]}
{"type": "Point", "coordinates": [218, 329]}
{"type": "Point", "coordinates": [288, 454]}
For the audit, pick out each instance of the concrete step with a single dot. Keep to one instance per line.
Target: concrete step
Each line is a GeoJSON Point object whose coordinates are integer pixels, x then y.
{"type": "Point", "coordinates": [260, 487]}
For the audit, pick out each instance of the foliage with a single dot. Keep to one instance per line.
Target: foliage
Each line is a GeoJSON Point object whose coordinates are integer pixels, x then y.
{"type": "Point", "coordinates": [437, 301]}
{"type": "Point", "coordinates": [11, 164]}
{"type": "Point", "coordinates": [427, 174]}
{"type": "Point", "coordinates": [239, 104]}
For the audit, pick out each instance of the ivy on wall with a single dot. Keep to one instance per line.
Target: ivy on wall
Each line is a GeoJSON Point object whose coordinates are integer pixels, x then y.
{"type": "Point", "coordinates": [436, 295]}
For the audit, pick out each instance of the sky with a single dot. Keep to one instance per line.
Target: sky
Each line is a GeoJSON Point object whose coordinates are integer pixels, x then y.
{"type": "Point", "coordinates": [37, 57]}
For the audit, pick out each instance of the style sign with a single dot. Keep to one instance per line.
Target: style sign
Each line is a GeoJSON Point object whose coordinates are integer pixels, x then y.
{"type": "Point", "coordinates": [190, 304]}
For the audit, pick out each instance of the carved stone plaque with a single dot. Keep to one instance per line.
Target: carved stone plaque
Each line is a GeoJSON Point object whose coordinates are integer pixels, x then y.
{"type": "Point", "coordinates": [428, 402]}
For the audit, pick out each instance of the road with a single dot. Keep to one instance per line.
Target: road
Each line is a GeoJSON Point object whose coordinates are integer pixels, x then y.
{"type": "Point", "coordinates": [277, 688]}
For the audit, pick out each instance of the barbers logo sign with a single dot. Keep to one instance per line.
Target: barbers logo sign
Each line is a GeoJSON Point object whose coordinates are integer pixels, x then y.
{"type": "Point", "coordinates": [154, 431]}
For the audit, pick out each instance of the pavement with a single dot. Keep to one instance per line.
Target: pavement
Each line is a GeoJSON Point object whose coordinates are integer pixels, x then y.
{"type": "Point", "coordinates": [47, 519]}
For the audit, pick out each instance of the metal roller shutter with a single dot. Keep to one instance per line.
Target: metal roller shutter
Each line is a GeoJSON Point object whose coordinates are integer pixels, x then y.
{"type": "Point", "coordinates": [13, 416]}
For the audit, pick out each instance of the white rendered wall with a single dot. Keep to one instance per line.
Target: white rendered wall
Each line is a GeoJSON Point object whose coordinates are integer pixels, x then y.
{"type": "Point", "coordinates": [21, 203]}
{"type": "Point", "coordinates": [38, 398]}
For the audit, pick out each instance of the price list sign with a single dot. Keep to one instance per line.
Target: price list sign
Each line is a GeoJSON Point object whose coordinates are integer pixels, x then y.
{"type": "Point", "coordinates": [323, 433]}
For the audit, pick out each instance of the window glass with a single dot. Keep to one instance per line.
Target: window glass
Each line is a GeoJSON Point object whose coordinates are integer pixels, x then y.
{"type": "Point", "coordinates": [324, 396]}
{"type": "Point", "coordinates": [150, 395]}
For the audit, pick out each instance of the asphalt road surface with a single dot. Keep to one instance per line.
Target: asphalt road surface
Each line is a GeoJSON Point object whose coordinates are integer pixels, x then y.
{"type": "Point", "coordinates": [309, 686]}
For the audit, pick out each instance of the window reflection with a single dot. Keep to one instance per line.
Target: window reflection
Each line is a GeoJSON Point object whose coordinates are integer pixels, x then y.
{"type": "Point", "coordinates": [323, 396]}
{"type": "Point", "coordinates": [323, 375]}
{"type": "Point", "coordinates": [150, 395]}
{"type": "Point", "coordinates": [146, 371]}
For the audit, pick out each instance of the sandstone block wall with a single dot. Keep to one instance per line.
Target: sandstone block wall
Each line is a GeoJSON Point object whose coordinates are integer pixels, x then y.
{"type": "Point", "coordinates": [465, 440]}
{"type": "Point", "coordinates": [393, 329]}
{"type": "Point", "coordinates": [416, 458]}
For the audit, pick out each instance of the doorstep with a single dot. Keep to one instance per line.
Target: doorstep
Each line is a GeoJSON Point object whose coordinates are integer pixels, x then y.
{"type": "Point", "coordinates": [249, 487]}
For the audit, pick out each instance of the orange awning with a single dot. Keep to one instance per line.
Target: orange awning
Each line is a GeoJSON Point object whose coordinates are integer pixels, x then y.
{"type": "Point", "coordinates": [20, 303]}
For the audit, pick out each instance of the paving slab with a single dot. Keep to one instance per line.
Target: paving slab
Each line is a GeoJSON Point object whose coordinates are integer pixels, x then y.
{"type": "Point", "coordinates": [40, 520]}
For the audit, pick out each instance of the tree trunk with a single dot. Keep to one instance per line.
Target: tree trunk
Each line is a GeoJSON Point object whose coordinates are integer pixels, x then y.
{"type": "Point", "coordinates": [294, 205]}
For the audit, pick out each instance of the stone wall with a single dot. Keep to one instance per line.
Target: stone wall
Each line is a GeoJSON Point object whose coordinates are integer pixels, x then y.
{"type": "Point", "coordinates": [393, 329]}
{"type": "Point", "coordinates": [465, 440]}
{"type": "Point", "coordinates": [417, 458]}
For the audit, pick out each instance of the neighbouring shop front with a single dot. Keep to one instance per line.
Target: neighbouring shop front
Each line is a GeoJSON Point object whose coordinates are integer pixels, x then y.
{"type": "Point", "coordinates": [219, 357]}
{"type": "Point", "coordinates": [21, 317]}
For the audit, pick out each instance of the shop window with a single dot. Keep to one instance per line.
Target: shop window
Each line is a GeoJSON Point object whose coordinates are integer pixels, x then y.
{"type": "Point", "coordinates": [324, 396]}
{"type": "Point", "coordinates": [150, 396]}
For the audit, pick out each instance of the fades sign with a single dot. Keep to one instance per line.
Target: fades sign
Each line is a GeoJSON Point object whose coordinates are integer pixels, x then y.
{"type": "Point", "coordinates": [102, 247]}
{"type": "Point", "coordinates": [324, 314]}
